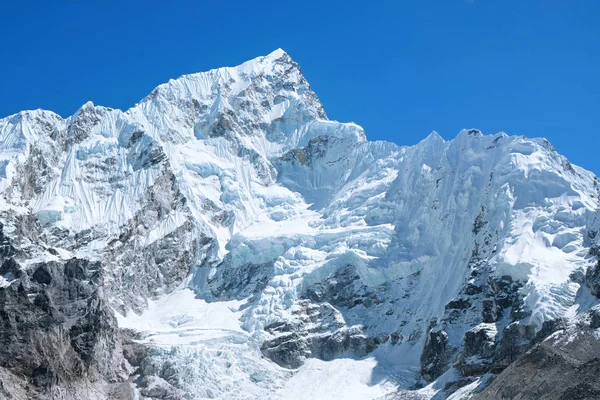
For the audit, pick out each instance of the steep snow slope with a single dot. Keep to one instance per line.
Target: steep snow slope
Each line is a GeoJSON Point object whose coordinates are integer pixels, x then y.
{"type": "Point", "coordinates": [250, 248]}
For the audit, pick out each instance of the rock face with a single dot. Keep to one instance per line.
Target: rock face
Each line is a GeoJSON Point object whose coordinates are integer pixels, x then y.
{"type": "Point", "coordinates": [58, 333]}
{"type": "Point", "coordinates": [224, 239]}
{"type": "Point", "coordinates": [564, 366]}
{"type": "Point", "coordinates": [436, 355]}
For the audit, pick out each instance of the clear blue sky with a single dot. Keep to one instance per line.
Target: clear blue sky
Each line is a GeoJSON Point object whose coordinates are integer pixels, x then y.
{"type": "Point", "coordinates": [398, 68]}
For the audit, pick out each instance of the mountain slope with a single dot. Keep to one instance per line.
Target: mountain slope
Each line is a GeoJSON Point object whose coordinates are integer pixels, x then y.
{"type": "Point", "coordinates": [235, 243]}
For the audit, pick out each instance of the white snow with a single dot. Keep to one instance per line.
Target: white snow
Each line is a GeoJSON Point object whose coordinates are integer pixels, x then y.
{"type": "Point", "coordinates": [192, 326]}
{"type": "Point", "coordinates": [342, 378]}
{"type": "Point", "coordinates": [180, 319]}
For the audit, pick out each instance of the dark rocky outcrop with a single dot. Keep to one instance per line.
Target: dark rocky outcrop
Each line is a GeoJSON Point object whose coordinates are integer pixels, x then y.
{"type": "Point", "coordinates": [478, 350]}
{"type": "Point", "coordinates": [565, 366]}
{"type": "Point", "coordinates": [343, 288]}
{"type": "Point", "coordinates": [56, 329]}
{"type": "Point", "coordinates": [291, 350]}
{"type": "Point", "coordinates": [436, 355]}
{"type": "Point", "coordinates": [497, 302]}
{"type": "Point", "coordinates": [241, 281]}
{"type": "Point", "coordinates": [592, 279]}
{"type": "Point", "coordinates": [318, 331]}
{"type": "Point", "coordinates": [57, 332]}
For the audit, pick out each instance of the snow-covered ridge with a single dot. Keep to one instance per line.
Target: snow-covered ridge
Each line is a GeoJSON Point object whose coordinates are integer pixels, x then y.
{"type": "Point", "coordinates": [315, 242]}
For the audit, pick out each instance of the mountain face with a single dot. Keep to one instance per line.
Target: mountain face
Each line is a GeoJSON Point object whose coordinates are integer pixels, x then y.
{"type": "Point", "coordinates": [224, 239]}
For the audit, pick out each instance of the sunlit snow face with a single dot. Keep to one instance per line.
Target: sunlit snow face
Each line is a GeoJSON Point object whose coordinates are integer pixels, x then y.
{"type": "Point", "coordinates": [234, 183]}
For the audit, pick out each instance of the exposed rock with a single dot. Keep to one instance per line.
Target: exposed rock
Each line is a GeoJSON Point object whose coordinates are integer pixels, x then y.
{"type": "Point", "coordinates": [478, 350]}
{"type": "Point", "coordinates": [563, 367]}
{"type": "Point", "coordinates": [289, 350]}
{"type": "Point", "coordinates": [316, 331]}
{"type": "Point", "coordinates": [133, 351]}
{"type": "Point", "coordinates": [458, 304]}
{"type": "Point", "coordinates": [241, 281]}
{"type": "Point", "coordinates": [592, 279]}
{"type": "Point", "coordinates": [436, 355]}
{"type": "Point", "coordinates": [594, 318]}
{"type": "Point", "coordinates": [516, 339]}
{"type": "Point", "coordinates": [343, 289]}
{"type": "Point", "coordinates": [57, 330]}
{"type": "Point", "coordinates": [548, 328]}
{"type": "Point", "coordinates": [490, 311]}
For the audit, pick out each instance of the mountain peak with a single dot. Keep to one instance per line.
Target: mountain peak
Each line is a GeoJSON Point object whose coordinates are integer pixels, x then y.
{"type": "Point", "coordinates": [238, 77]}
{"type": "Point", "coordinates": [276, 54]}
{"type": "Point", "coordinates": [266, 96]}
{"type": "Point", "coordinates": [434, 137]}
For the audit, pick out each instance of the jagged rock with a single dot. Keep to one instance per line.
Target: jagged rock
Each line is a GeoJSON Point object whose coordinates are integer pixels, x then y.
{"type": "Point", "coordinates": [548, 328]}
{"type": "Point", "coordinates": [436, 355]}
{"type": "Point", "coordinates": [133, 351]}
{"type": "Point", "coordinates": [478, 350]}
{"type": "Point", "coordinates": [317, 333]}
{"type": "Point", "coordinates": [594, 315]}
{"type": "Point", "coordinates": [242, 281]}
{"type": "Point", "coordinates": [41, 275]}
{"type": "Point", "coordinates": [489, 311]}
{"type": "Point", "coordinates": [327, 347]}
{"type": "Point", "coordinates": [592, 279]}
{"type": "Point", "coordinates": [343, 289]}
{"type": "Point", "coordinates": [154, 388]}
{"type": "Point", "coordinates": [6, 248]}
{"type": "Point", "coordinates": [458, 304]}
{"type": "Point", "coordinates": [10, 270]}
{"type": "Point", "coordinates": [562, 367]}
{"type": "Point", "coordinates": [288, 351]}
{"type": "Point", "coordinates": [472, 289]}
{"type": "Point", "coordinates": [56, 329]}
{"type": "Point", "coordinates": [516, 339]}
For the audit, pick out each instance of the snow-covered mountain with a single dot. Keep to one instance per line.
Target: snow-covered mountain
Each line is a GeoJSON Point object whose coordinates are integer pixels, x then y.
{"type": "Point", "coordinates": [224, 239]}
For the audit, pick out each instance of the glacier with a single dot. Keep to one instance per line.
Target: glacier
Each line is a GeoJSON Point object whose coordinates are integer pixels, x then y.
{"type": "Point", "coordinates": [224, 239]}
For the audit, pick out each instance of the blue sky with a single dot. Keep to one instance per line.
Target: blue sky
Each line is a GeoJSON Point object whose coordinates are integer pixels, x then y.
{"type": "Point", "coordinates": [398, 68]}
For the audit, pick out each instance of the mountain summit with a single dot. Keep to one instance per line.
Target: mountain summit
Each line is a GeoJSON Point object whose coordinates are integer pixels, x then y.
{"type": "Point", "coordinates": [224, 239]}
